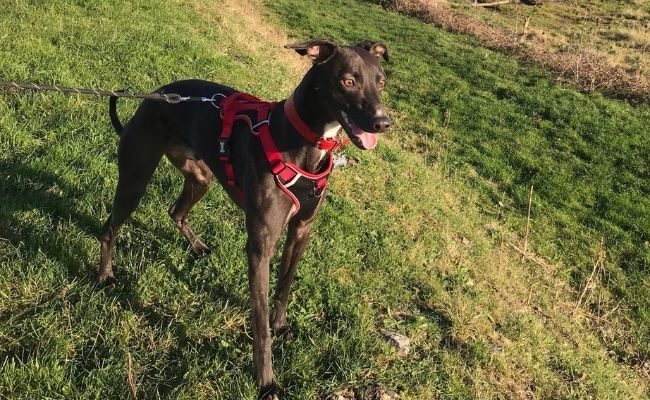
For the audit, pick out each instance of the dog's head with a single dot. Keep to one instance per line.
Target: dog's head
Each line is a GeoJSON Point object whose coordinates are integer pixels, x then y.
{"type": "Point", "coordinates": [349, 80]}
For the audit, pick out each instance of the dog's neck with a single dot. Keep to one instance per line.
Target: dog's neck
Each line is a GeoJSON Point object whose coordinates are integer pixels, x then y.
{"type": "Point", "coordinates": [311, 111]}
{"type": "Point", "coordinates": [310, 107]}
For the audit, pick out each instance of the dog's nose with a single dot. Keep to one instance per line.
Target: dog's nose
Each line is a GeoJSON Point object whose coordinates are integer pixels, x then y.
{"type": "Point", "coordinates": [382, 123]}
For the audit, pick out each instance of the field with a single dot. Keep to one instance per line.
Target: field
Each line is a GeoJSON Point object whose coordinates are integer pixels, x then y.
{"type": "Point", "coordinates": [427, 236]}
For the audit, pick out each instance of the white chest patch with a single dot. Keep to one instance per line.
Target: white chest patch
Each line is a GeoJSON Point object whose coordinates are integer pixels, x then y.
{"type": "Point", "coordinates": [331, 129]}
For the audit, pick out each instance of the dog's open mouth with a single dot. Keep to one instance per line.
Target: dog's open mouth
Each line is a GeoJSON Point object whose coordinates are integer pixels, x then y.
{"type": "Point", "coordinates": [362, 139]}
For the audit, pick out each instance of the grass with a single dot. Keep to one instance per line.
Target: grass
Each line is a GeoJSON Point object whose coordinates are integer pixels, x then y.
{"type": "Point", "coordinates": [429, 254]}
{"type": "Point", "coordinates": [503, 125]}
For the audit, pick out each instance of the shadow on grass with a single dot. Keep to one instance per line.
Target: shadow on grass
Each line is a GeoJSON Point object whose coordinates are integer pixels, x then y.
{"type": "Point", "coordinates": [24, 189]}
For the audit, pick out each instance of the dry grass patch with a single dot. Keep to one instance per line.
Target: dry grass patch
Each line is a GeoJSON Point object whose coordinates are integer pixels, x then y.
{"type": "Point", "coordinates": [587, 68]}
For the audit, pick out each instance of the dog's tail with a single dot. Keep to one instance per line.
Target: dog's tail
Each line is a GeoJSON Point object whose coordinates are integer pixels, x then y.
{"type": "Point", "coordinates": [112, 111]}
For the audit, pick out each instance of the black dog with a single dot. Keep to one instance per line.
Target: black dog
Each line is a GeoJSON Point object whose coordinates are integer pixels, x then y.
{"type": "Point", "coordinates": [272, 159]}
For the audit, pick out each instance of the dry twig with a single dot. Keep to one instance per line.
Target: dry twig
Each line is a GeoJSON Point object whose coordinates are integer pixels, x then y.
{"type": "Point", "coordinates": [530, 203]}
{"type": "Point", "coordinates": [130, 377]}
{"type": "Point", "coordinates": [495, 3]}
{"type": "Point", "coordinates": [598, 266]}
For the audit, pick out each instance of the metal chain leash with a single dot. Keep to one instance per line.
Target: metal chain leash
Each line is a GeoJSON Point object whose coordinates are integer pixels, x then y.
{"type": "Point", "coordinates": [171, 98]}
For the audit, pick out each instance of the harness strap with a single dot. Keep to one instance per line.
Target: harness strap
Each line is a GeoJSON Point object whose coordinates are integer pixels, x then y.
{"type": "Point", "coordinates": [230, 107]}
{"type": "Point", "coordinates": [287, 173]}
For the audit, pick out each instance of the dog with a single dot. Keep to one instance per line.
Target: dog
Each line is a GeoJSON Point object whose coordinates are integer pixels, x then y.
{"type": "Point", "coordinates": [272, 159]}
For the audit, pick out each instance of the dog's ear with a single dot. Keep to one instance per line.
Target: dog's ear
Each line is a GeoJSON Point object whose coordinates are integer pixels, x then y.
{"type": "Point", "coordinates": [378, 49]}
{"type": "Point", "coordinates": [318, 50]}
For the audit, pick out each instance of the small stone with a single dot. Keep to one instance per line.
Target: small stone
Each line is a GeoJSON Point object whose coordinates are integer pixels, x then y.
{"type": "Point", "coordinates": [401, 342]}
{"type": "Point", "coordinates": [340, 161]}
{"type": "Point", "coordinates": [465, 241]}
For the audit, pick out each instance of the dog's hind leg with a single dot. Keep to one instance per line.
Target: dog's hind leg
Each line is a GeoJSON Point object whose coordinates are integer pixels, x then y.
{"type": "Point", "coordinates": [198, 178]}
{"type": "Point", "coordinates": [137, 160]}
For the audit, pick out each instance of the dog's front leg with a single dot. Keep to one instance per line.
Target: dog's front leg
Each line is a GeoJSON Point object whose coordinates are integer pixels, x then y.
{"type": "Point", "coordinates": [260, 247]}
{"type": "Point", "coordinates": [294, 247]}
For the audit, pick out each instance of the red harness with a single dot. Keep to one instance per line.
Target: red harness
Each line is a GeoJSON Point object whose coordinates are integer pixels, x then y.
{"type": "Point", "coordinates": [303, 188]}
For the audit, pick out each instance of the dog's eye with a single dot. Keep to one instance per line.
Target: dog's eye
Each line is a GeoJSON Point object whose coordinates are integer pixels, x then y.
{"type": "Point", "coordinates": [349, 82]}
{"type": "Point", "coordinates": [381, 84]}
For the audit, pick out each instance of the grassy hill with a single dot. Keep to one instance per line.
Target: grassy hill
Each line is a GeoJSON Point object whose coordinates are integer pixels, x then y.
{"type": "Point", "coordinates": [423, 236]}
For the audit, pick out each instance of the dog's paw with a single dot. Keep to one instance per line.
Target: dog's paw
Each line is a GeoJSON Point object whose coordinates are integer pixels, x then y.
{"type": "Point", "coordinates": [270, 392]}
{"type": "Point", "coordinates": [105, 281]}
{"type": "Point", "coordinates": [200, 249]}
{"type": "Point", "coordinates": [284, 332]}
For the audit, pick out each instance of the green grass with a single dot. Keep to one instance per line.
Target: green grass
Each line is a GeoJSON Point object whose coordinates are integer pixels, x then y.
{"type": "Point", "coordinates": [412, 238]}
{"type": "Point", "coordinates": [500, 122]}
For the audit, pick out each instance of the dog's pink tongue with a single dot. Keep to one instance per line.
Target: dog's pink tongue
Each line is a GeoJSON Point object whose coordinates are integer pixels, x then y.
{"type": "Point", "coordinates": [368, 140]}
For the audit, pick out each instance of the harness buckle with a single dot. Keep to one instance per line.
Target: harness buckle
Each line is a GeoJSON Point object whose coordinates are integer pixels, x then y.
{"type": "Point", "coordinates": [332, 144]}
{"type": "Point", "coordinates": [224, 149]}
{"type": "Point", "coordinates": [326, 144]}
{"type": "Point", "coordinates": [319, 187]}
{"type": "Point", "coordinates": [317, 192]}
